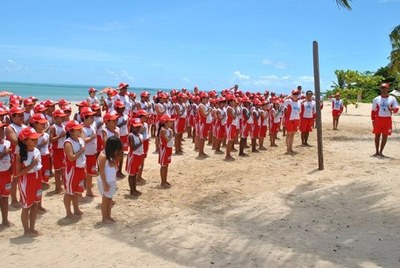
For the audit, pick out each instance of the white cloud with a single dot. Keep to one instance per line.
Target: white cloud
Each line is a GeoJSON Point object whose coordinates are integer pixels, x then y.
{"type": "Point", "coordinates": [241, 76]}
{"type": "Point", "coordinates": [121, 76]}
{"type": "Point", "coordinates": [186, 80]}
{"type": "Point", "coordinates": [12, 66]}
{"type": "Point", "coordinates": [277, 64]}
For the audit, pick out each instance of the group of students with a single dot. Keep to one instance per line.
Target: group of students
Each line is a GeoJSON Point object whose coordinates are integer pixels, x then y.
{"type": "Point", "coordinates": [39, 138]}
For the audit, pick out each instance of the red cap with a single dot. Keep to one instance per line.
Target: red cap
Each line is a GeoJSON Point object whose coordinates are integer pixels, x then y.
{"type": "Point", "coordinates": [33, 98]}
{"type": "Point", "coordinates": [63, 102]}
{"type": "Point", "coordinates": [257, 102]}
{"type": "Point", "coordinates": [204, 95]}
{"type": "Point", "coordinates": [142, 113]}
{"type": "Point", "coordinates": [28, 133]}
{"type": "Point", "coordinates": [295, 92]}
{"type": "Point", "coordinates": [16, 110]}
{"type": "Point", "coordinates": [144, 94]}
{"type": "Point", "coordinates": [48, 103]}
{"type": "Point", "coordinates": [28, 101]}
{"type": "Point", "coordinates": [164, 95]}
{"type": "Point", "coordinates": [59, 113]}
{"type": "Point", "coordinates": [39, 108]}
{"type": "Point", "coordinates": [132, 94]}
{"type": "Point", "coordinates": [92, 89]}
{"type": "Point", "coordinates": [123, 85]}
{"type": "Point", "coordinates": [67, 108]}
{"type": "Point", "coordinates": [135, 122]}
{"type": "Point", "coordinates": [95, 106]}
{"type": "Point", "coordinates": [3, 111]}
{"type": "Point", "coordinates": [15, 103]}
{"type": "Point", "coordinates": [221, 99]}
{"type": "Point", "coordinates": [73, 124]}
{"type": "Point", "coordinates": [119, 104]}
{"type": "Point", "coordinates": [110, 116]}
{"type": "Point", "coordinates": [83, 104]}
{"type": "Point", "coordinates": [38, 118]}
{"type": "Point", "coordinates": [166, 118]}
{"type": "Point", "coordinates": [15, 97]}
{"type": "Point", "coordinates": [182, 95]}
{"type": "Point", "coordinates": [337, 94]}
{"type": "Point", "coordinates": [385, 86]}
{"type": "Point", "coordinates": [86, 111]}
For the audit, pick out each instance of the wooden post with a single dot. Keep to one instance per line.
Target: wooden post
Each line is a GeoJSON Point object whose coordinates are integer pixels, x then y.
{"type": "Point", "coordinates": [318, 106]}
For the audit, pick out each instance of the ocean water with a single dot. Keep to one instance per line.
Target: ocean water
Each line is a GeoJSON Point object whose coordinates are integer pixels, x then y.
{"type": "Point", "coordinates": [44, 91]}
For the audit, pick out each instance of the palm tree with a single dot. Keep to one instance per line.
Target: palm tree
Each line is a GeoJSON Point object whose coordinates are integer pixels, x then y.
{"type": "Point", "coordinates": [344, 3]}
{"type": "Point", "coordinates": [395, 54]}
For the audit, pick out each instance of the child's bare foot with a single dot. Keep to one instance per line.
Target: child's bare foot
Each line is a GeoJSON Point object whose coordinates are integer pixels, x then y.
{"type": "Point", "coordinates": [203, 155]}
{"type": "Point", "coordinates": [42, 210]}
{"type": "Point", "coordinates": [262, 148]}
{"type": "Point", "coordinates": [112, 219]}
{"type": "Point", "coordinates": [78, 212]}
{"type": "Point", "coordinates": [36, 232]}
{"type": "Point", "coordinates": [45, 185]}
{"type": "Point", "coordinates": [141, 181]}
{"type": "Point", "coordinates": [60, 191]}
{"type": "Point", "coordinates": [72, 216]}
{"type": "Point", "coordinates": [107, 221]}
{"type": "Point", "coordinates": [255, 151]}
{"type": "Point", "coordinates": [165, 185]}
{"type": "Point", "coordinates": [15, 204]}
{"type": "Point", "coordinates": [243, 155]}
{"type": "Point", "coordinates": [135, 193]}
{"type": "Point", "coordinates": [218, 152]}
{"type": "Point", "coordinates": [7, 223]}
{"type": "Point", "coordinates": [234, 150]}
{"type": "Point", "coordinates": [29, 234]}
{"type": "Point", "coordinates": [91, 194]}
{"type": "Point", "coordinates": [229, 158]}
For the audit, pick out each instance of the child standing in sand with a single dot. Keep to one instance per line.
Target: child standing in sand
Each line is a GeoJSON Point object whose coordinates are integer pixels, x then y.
{"type": "Point", "coordinates": [28, 165]}
{"type": "Point", "coordinates": [108, 165]}
{"type": "Point", "coordinates": [166, 138]}
{"type": "Point", "coordinates": [5, 175]}
{"type": "Point", "coordinates": [57, 137]}
{"type": "Point", "coordinates": [74, 149]}
{"type": "Point", "coordinates": [136, 154]}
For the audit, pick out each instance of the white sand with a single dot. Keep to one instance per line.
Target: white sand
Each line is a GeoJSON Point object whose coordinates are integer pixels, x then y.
{"type": "Point", "coordinates": [268, 210]}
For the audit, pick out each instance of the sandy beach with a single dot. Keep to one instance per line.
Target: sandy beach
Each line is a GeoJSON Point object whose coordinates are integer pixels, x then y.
{"type": "Point", "coordinates": [267, 210]}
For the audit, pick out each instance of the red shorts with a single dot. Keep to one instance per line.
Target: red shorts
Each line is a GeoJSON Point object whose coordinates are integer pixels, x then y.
{"type": "Point", "coordinates": [383, 125]}
{"type": "Point", "coordinates": [180, 125]}
{"type": "Point", "coordinates": [58, 159]}
{"type": "Point", "coordinates": [134, 163]}
{"type": "Point", "coordinates": [274, 128]}
{"type": "Point", "coordinates": [292, 125]}
{"type": "Point", "coordinates": [74, 180]}
{"type": "Point", "coordinates": [124, 140]}
{"type": "Point", "coordinates": [91, 165]}
{"type": "Point", "coordinates": [255, 132]}
{"type": "Point", "coordinates": [230, 132]}
{"type": "Point", "coordinates": [263, 131]}
{"type": "Point", "coordinates": [245, 130]}
{"type": "Point", "coordinates": [204, 129]}
{"type": "Point", "coordinates": [146, 144]}
{"type": "Point", "coordinates": [5, 183]}
{"type": "Point", "coordinates": [164, 156]}
{"type": "Point", "coordinates": [221, 132]}
{"type": "Point", "coordinates": [46, 167]}
{"type": "Point", "coordinates": [100, 144]}
{"type": "Point", "coordinates": [30, 189]}
{"type": "Point", "coordinates": [336, 113]}
{"type": "Point", "coordinates": [306, 124]}
{"type": "Point", "coordinates": [191, 121]}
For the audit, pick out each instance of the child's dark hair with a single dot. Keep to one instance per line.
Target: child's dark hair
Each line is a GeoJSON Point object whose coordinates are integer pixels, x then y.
{"type": "Point", "coordinates": [67, 134]}
{"type": "Point", "coordinates": [113, 145]}
{"type": "Point", "coordinates": [23, 152]}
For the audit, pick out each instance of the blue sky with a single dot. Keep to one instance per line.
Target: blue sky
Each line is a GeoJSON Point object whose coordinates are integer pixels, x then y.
{"type": "Point", "coordinates": [213, 44]}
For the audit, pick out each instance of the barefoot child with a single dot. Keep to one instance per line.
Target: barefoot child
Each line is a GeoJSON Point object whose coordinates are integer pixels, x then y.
{"type": "Point", "coordinates": [74, 148]}
{"type": "Point", "coordinates": [166, 138]}
{"type": "Point", "coordinates": [5, 175]}
{"type": "Point", "coordinates": [28, 165]}
{"type": "Point", "coordinates": [107, 181]}
{"type": "Point", "coordinates": [143, 115]}
{"type": "Point", "coordinates": [90, 138]}
{"type": "Point", "coordinates": [57, 138]}
{"type": "Point", "coordinates": [38, 122]}
{"type": "Point", "coordinates": [135, 155]}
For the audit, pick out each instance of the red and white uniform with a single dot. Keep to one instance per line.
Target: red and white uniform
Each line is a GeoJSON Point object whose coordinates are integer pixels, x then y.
{"type": "Point", "coordinates": [15, 148]}
{"type": "Point", "coordinates": [275, 120]}
{"type": "Point", "coordinates": [292, 114]}
{"type": "Point", "coordinates": [381, 114]}
{"type": "Point", "coordinates": [123, 131]}
{"type": "Point", "coordinates": [135, 157]}
{"type": "Point", "coordinates": [247, 123]}
{"type": "Point", "coordinates": [264, 118]}
{"type": "Point", "coordinates": [307, 116]}
{"type": "Point", "coordinates": [165, 152]}
{"type": "Point", "coordinates": [146, 139]}
{"type": "Point", "coordinates": [98, 120]}
{"type": "Point", "coordinates": [45, 155]}
{"type": "Point", "coordinates": [5, 169]}
{"type": "Point", "coordinates": [58, 148]}
{"type": "Point", "coordinates": [231, 123]}
{"type": "Point", "coordinates": [90, 151]}
{"type": "Point", "coordinates": [337, 107]}
{"type": "Point", "coordinates": [30, 184]}
{"type": "Point", "coordinates": [221, 124]}
{"type": "Point", "coordinates": [75, 170]}
{"type": "Point", "coordinates": [255, 130]}
{"type": "Point", "coordinates": [125, 100]}
{"type": "Point", "coordinates": [180, 122]}
{"type": "Point", "coordinates": [204, 120]}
